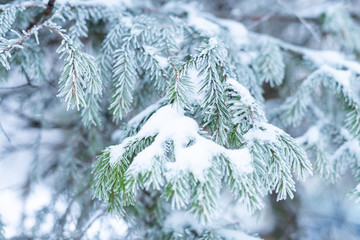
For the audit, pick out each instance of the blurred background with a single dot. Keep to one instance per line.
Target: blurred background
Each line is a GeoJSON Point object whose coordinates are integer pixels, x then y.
{"type": "Point", "coordinates": [45, 158]}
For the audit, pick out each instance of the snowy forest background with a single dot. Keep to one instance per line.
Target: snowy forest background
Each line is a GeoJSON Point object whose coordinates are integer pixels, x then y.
{"type": "Point", "coordinates": [48, 187]}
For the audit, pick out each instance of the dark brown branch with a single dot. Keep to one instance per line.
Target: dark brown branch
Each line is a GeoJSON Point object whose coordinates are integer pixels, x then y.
{"type": "Point", "coordinates": [49, 8]}
{"type": "Point", "coordinates": [5, 133]}
{"type": "Point", "coordinates": [19, 87]}
{"type": "Point", "coordinates": [44, 15]}
{"type": "Point", "coordinates": [28, 84]}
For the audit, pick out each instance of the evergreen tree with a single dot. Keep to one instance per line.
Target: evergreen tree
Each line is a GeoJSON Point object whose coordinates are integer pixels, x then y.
{"type": "Point", "coordinates": [169, 114]}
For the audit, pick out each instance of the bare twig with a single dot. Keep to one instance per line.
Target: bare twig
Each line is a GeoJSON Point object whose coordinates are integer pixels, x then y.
{"type": "Point", "coordinates": [261, 20]}
{"type": "Point", "coordinates": [302, 20]}
{"type": "Point", "coordinates": [19, 87]}
{"type": "Point", "coordinates": [81, 234]}
{"type": "Point", "coordinates": [5, 134]}
{"type": "Point", "coordinates": [28, 84]}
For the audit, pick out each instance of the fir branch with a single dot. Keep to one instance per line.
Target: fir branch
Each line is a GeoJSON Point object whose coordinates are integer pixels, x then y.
{"type": "Point", "coordinates": [244, 109]}
{"type": "Point", "coordinates": [91, 113]}
{"type": "Point", "coordinates": [340, 23]}
{"type": "Point", "coordinates": [337, 81]}
{"type": "Point", "coordinates": [269, 65]}
{"type": "Point", "coordinates": [154, 167]}
{"type": "Point", "coordinates": [109, 170]}
{"type": "Point", "coordinates": [204, 200]}
{"type": "Point", "coordinates": [7, 45]}
{"type": "Point", "coordinates": [109, 45]}
{"type": "Point", "coordinates": [156, 66]}
{"type": "Point", "coordinates": [79, 73]}
{"type": "Point", "coordinates": [124, 77]}
{"type": "Point", "coordinates": [243, 187]}
{"type": "Point", "coordinates": [275, 152]}
{"type": "Point", "coordinates": [179, 86]}
{"type": "Point", "coordinates": [177, 191]}
{"type": "Point", "coordinates": [212, 66]}
{"type": "Point", "coordinates": [7, 17]}
{"type": "Point", "coordinates": [295, 106]}
{"type": "Point", "coordinates": [81, 15]}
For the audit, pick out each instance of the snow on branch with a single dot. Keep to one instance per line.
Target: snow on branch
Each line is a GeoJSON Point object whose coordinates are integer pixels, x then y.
{"type": "Point", "coordinates": [169, 125]}
{"type": "Point", "coordinates": [177, 149]}
{"type": "Point", "coordinates": [337, 81]}
{"type": "Point", "coordinates": [178, 158]}
{"type": "Point", "coordinates": [331, 166]}
{"type": "Point", "coordinates": [271, 147]}
{"type": "Point", "coordinates": [316, 57]}
{"type": "Point", "coordinates": [319, 58]}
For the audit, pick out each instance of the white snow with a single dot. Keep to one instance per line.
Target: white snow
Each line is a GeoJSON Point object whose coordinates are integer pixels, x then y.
{"type": "Point", "coordinates": [213, 42]}
{"type": "Point", "coordinates": [264, 132]}
{"type": "Point", "coordinates": [116, 152]}
{"type": "Point", "coordinates": [317, 57]}
{"type": "Point", "coordinates": [342, 77]}
{"type": "Point", "coordinates": [127, 22]}
{"type": "Point", "coordinates": [198, 20]}
{"type": "Point", "coordinates": [237, 31]}
{"type": "Point", "coordinates": [135, 31]}
{"type": "Point", "coordinates": [247, 57]}
{"type": "Point", "coordinates": [178, 220]}
{"type": "Point", "coordinates": [330, 58]}
{"type": "Point", "coordinates": [246, 97]}
{"type": "Point", "coordinates": [241, 158]}
{"type": "Point", "coordinates": [169, 124]}
{"type": "Point", "coordinates": [144, 160]}
{"type": "Point", "coordinates": [311, 136]}
{"type": "Point", "coordinates": [203, 25]}
{"type": "Point", "coordinates": [97, 230]}
{"type": "Point", "coordinates": [147, 111]}
{"type": "Point", "coordinates": [352, 146]}
{"type": "Point", "coordinates": [163, 62]}
{"type": "Point", "coordinates": [162, 120]}
{"type": "Point", "coordinates": [195, 159]}
{"type": "Point", "coordinates": [236, 235]}
{"type": "Point", "coordinates": [150, 49]}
